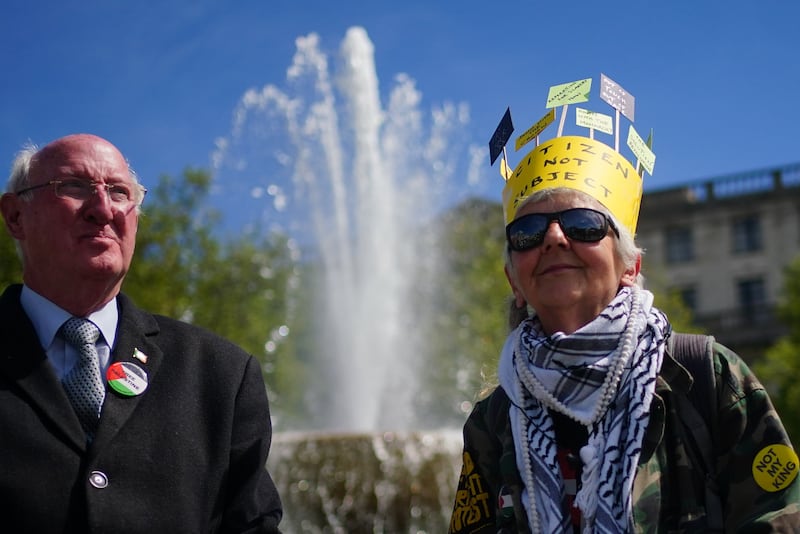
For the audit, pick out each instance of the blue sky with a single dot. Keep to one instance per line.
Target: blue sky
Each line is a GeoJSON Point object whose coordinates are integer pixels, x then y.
{"type": "Point", "coordinates": [717, 81]}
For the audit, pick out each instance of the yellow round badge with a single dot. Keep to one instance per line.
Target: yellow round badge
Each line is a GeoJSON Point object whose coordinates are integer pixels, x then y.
{"type": "Point", "coordinates": [775, 467]}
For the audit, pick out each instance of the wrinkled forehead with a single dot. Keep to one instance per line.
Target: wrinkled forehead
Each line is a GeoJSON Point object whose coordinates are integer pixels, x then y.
{"type": "Point", "coordinates": [80, 155]}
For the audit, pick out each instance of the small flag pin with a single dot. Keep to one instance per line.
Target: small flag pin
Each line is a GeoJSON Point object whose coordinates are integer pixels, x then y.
{"type": "Point", "coordinates": [139, 355]}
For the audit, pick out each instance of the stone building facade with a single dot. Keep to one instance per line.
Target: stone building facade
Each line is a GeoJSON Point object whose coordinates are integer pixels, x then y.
{"type": "Point", "coordinates": [723, 245]}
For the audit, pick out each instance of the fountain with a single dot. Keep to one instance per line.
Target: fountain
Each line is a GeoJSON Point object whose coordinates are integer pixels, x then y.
{"type": "Point", "coordinates": [353, 183]}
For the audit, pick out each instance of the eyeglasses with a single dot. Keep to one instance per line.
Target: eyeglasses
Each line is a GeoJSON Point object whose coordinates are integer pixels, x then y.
{"type": "Point", "coordinates": [122, 195]}
{"type": "Point", "coordinates": [579, 224]}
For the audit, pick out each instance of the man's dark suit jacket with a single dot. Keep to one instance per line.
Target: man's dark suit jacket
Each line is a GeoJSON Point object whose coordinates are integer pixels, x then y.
{"type": "Point", "coordinates": [186, 455]}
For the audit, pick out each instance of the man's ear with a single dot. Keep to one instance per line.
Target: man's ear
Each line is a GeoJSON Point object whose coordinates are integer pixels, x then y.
{"type": "Point", "coordinates": [519, 298]}
{"type": "Point", "coordinates": [630, 274]}
{"type": "Point", "coordinates": [9, 205]}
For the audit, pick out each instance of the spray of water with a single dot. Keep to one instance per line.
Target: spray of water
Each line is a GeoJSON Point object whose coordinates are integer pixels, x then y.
{"type": "Point", "coordinates": [354, 182]}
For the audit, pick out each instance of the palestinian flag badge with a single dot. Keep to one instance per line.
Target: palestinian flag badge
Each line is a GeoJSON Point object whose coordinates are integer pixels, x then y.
{"type": "Point", "coordinates": [127, 378]}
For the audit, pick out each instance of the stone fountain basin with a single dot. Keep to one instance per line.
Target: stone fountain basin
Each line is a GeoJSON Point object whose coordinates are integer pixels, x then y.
{"type": "Point", "coordinates": [390, 482]}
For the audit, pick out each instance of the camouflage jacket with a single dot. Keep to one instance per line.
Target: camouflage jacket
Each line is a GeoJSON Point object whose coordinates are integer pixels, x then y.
{"type": "Point", "coordinates": [755, 471]}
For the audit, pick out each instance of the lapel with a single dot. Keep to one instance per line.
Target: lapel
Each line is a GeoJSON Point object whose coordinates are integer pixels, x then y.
{"type": "Point", "coordinates": [136, 330]}
{"type": "Point", "coordinates": [25, 363]}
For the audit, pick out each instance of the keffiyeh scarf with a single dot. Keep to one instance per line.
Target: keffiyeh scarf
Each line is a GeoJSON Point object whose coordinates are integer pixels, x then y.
{"type": "Point", "coordinates": [602, 376]}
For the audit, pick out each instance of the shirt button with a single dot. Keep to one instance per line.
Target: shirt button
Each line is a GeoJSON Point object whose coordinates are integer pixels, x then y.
{"type": "Point", "coordinates": [98, 479]}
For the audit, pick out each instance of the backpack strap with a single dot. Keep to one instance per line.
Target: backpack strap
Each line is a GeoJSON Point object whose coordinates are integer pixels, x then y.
{"type": "Point", "coordinates": [695, 352]}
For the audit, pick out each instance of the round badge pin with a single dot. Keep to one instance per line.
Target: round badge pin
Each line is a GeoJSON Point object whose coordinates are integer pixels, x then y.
{"type": "Point", "coordinates": [127, 378]}
{"type": "Point", "coordinates": [775, 467]}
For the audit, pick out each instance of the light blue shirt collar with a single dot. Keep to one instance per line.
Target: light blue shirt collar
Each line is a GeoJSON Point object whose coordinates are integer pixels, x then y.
{"type": "Point", "coordinates": [47, 318]}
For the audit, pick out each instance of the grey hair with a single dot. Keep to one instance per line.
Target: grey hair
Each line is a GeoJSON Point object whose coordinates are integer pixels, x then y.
{"type": "Point", "coordinates": [626, 249]}
{"type": "Point", "coordinates": [21, 168]}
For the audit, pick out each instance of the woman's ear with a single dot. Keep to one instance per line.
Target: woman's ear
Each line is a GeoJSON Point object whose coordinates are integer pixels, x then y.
{"type": "Point", "coordinates": [519, 298]}
{"type": "Point", "coordinates": [630, 274]}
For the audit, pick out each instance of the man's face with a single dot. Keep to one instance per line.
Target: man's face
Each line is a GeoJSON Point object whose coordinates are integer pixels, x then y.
{"type": "Point", "coordinates": [67, 242]}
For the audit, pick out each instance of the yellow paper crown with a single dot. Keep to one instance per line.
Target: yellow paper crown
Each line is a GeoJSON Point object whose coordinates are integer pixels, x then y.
{"type": "Point", "coordinates": [582, 164]}
{"type": "Point", "coordinates": [577, 162]}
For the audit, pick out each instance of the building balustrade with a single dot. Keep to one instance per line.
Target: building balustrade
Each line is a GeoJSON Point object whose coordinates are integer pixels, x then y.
{"type": "Point", "coordinates": [741, 329]}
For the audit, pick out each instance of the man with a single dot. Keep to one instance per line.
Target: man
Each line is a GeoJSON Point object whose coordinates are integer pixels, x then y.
{"type": "Point", "coordinates": [155, 426]}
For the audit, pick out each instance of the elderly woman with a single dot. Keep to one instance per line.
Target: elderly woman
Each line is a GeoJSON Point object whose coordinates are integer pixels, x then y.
{"type": "Point", "coordinates": [585, 432]}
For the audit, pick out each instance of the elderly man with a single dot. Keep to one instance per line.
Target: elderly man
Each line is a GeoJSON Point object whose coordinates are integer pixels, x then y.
{"type": "Point", "coordinates": [113, 419]}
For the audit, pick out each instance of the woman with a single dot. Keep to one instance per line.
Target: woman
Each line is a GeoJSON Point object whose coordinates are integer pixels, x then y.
{"type": "Point", "coordinates": [584, 432]}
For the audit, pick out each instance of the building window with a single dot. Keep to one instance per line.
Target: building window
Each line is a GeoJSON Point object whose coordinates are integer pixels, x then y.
{"type": "Point", "coordinates": [747, 234]}
{"type": "Point", "coordinates": [753, 299]}
{"type": "Point", "coordinates": [680, 247]}
{"type": "Point", "coordinates": [689, 297]}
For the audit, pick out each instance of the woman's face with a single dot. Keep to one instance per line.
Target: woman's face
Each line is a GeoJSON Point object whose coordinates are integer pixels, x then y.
{"type": "Point", "coordinates": [567, 282]}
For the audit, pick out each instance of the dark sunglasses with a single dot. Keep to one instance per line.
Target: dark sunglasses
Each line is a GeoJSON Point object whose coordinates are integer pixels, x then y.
{"type": "Point", "coordinates": [579, 224]}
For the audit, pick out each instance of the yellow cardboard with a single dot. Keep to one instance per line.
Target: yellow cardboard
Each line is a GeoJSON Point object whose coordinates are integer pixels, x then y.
{"type": "Point", "coordinates": [582, 164]}
{"type": "Point", "coordinates": [505, 170]}
{"type": "Point", "coordinates": [536, 129]}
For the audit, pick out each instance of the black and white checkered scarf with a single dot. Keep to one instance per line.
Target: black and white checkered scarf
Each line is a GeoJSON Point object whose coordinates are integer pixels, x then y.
{"type": "Point", "coordinates": [602, 376]}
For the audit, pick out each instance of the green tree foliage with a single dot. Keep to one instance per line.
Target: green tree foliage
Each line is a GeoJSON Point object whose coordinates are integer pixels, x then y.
{"type": "Point", "coordinates": [10, 265]}
{"type": "Point", "coordinates": [668, 300]}
{"type": "Point", "coordinates": [469, 324]}
{"type": "Point", "coordinates": [236, 287]}
{"type": "Point", "coordinates": [173, 241]}
{"type": "Point", "coordinates": [779, 370]}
